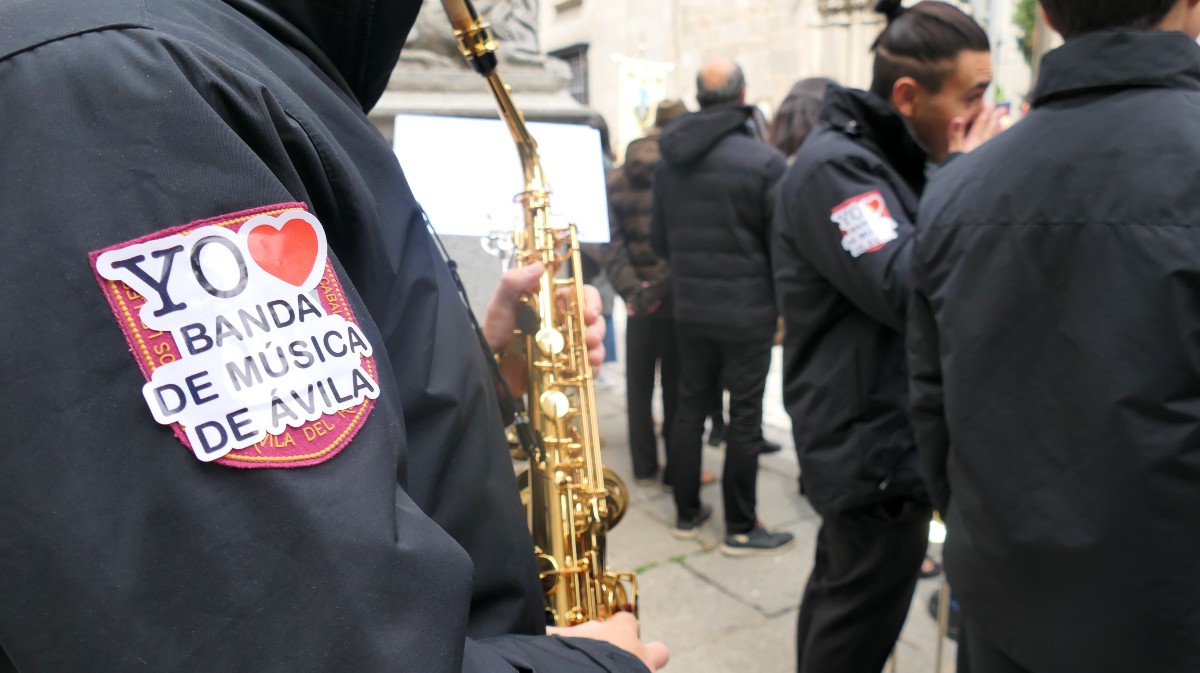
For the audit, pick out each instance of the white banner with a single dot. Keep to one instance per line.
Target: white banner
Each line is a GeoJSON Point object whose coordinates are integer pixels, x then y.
{"type": "Point", "coordinates": [466, 173]}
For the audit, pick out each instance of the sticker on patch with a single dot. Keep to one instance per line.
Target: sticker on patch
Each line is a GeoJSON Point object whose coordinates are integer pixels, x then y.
{"type": "Point", "coordinates": [242, 329]}
{"type": "Point", "coordinates": [866, 223]}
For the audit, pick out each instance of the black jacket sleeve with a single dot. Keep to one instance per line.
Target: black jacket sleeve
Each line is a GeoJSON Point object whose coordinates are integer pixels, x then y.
{"type": "Point", "coordinates": [658, 222]}
{"type": "Point", "coordinates": [774, 170]}
{"type": "Point", "coordinates": [551, 654]}
{"type": "Point", "coordinates": [119, 551]}
{"type": "Point", "coordinates": [925, 391]}
{"type": "Point", "coordinates": [849, 224]}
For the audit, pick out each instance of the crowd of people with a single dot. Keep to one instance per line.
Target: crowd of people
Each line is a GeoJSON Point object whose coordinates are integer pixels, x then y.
{"type": "Point", "coordinates": [956, 312]}
{"type": "Point", "coordinates": [251, 426]}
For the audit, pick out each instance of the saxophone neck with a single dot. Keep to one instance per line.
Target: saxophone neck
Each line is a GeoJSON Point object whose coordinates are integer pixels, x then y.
{"type": "Point", "coordinates": [527, 147]}
{"type": "Point", "coordinates": [479, 49]}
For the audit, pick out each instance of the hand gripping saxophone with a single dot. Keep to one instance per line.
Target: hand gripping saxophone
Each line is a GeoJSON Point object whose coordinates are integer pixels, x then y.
{"type": "Point", "coordinates": [573, 500]}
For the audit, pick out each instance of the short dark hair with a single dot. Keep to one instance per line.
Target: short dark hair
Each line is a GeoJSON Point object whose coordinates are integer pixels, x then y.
{"type": "Point", "coordinates": [728, 92]}
{"type": "Point", "coordinates": [1076, 17]}
{"type": "Point", "coordinates": [798, 114]}
{"type": "Point", "coordinates": [922, 42]}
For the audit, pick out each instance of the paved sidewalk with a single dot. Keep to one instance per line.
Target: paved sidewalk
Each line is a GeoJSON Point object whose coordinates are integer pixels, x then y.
{"type": "Point", "coordinates": [719, 614]}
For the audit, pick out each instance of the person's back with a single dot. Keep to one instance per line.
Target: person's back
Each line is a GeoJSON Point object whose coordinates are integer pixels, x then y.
{"type": "Point", "coordinates": [713, 193]}
{"type": "Point", "coordinates": [1055, 363]}
{"type": "Point", "coordinates": [712, 207]}
{"type": "Point", "coordinates": [631, 260]}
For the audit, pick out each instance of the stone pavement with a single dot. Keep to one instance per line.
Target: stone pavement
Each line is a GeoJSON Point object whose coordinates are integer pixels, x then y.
{"type": "Point", "coordinates": [721, 614]}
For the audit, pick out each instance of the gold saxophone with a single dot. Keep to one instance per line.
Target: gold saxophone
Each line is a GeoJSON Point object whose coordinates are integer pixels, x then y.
{"type": "Point", "coordinates": [572, 499]}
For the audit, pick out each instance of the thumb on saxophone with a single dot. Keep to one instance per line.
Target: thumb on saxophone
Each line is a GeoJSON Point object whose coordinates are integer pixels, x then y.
{"type": "Point", "coordinates": [501, 320]}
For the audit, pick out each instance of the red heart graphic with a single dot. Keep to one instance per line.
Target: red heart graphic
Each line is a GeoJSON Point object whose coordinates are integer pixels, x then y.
{"type": "Point", "coordinates": [288, 253]}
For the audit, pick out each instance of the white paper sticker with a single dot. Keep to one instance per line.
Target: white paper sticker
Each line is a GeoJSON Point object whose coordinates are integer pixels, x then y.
{"type": "Point", "coordinates": [258, 351]}
{"type": "Point", "coordinates": [866, 224]}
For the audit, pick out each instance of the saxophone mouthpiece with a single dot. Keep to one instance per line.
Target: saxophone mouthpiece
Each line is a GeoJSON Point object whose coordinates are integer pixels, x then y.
{"type": "Point", "coordinates": [475, 41]}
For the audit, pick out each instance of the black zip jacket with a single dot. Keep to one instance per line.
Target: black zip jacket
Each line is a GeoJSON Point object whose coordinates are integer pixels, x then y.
{"type": "Point", "coordinates": [119, 550]}
{"type": "Point", "coordinates": [712, 209]}
{"type": "Point", "coordinates": [842, 241]}
{"type": "Point", "coordinates": [1056, 367]}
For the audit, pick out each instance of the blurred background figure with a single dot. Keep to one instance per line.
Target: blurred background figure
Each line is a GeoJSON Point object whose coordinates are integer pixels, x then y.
{"type": "Point", "coordinates": [643, 280]}
{"type": "Point", "coordinates": [798, 115]}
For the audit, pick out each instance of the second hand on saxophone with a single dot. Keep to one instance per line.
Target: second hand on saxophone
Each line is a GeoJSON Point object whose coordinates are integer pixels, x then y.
{"type": "Point", "coordinates": [574, 500]}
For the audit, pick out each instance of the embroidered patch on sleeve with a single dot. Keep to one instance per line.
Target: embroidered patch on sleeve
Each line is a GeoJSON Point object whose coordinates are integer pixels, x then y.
{"type": "Point", "coordinates": [241, 327]}
{"type": "Point", "coordinates": [865, 222]}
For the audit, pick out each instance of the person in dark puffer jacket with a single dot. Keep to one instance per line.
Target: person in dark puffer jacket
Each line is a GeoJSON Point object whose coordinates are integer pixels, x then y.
{"type": "Point", "coordinates": [712, 210]}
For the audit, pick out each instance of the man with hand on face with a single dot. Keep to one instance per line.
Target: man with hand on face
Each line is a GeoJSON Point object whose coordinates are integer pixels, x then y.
{"type": "Point", "coordinates": [1054, 356]}
{"type": "Point", "coordinates": [842, 241]}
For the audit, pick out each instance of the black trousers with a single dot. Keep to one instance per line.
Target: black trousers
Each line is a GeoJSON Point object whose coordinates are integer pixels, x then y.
{"type": "Point", "coordinates": [865, 570]}
{"type": "Point", "coordinates": [707, 366]}
{"type": "Point", "coordinates": [649, 346]}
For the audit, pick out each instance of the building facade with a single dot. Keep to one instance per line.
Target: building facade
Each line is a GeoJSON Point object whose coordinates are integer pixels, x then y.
{"type": "Point", "coordinates": [626, 55]}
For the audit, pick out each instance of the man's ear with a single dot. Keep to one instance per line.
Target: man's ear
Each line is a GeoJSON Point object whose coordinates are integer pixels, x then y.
{"type": "Point", "coordinates": [1192, 23]}
{"type": "Point", "coordinates": [742, 93]}
{"type": "Point", "coordinates": [906, 95]}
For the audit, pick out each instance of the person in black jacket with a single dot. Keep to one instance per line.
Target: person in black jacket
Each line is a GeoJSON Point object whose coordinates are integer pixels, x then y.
{"type": "Point", "coordinates": [1054, 358]}
{"type": "Point", "coordinates": [257, 430]}
{"type": "Point", "coordinates": [711, 220]}
{"type": "Point", "coordinates": [843, 235]}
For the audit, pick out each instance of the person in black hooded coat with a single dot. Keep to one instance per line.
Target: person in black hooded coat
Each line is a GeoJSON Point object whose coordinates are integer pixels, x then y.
{"type": "Point", "coordinates": [402, 544]}
{"type": "Point", "coordinates": [1055, 368]}
{"type": "Point", "coordinates": [711, 221]}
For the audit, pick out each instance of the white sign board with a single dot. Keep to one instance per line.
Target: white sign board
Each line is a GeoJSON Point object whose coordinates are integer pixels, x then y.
{"type": "Point", "coordinates": [466, 173]}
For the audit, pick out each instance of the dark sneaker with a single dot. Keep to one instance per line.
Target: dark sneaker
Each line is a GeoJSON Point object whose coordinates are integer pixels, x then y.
{"type": "Point", "coordinates": [757, 542]}
{"type": "Point", "coordinates": [769, 447]}
{"type": "Point", "coordinates": [688, 528]}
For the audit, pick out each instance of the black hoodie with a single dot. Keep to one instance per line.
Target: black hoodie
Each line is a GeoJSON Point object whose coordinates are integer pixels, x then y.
{"type": "Point", "coordinates": [390, 549]}
{"type": "Point", "coordinates": [712, 210]}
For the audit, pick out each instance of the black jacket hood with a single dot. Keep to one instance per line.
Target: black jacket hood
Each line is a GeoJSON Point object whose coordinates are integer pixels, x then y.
{"type": "Point", "coordinates": [687, 139]}
{"type": "Point", "coordinates": [864, 116]}
{"type": "Point", "coordinates": [1123, 59]}
{"type": "Point", "coordinates": [356, 42]}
